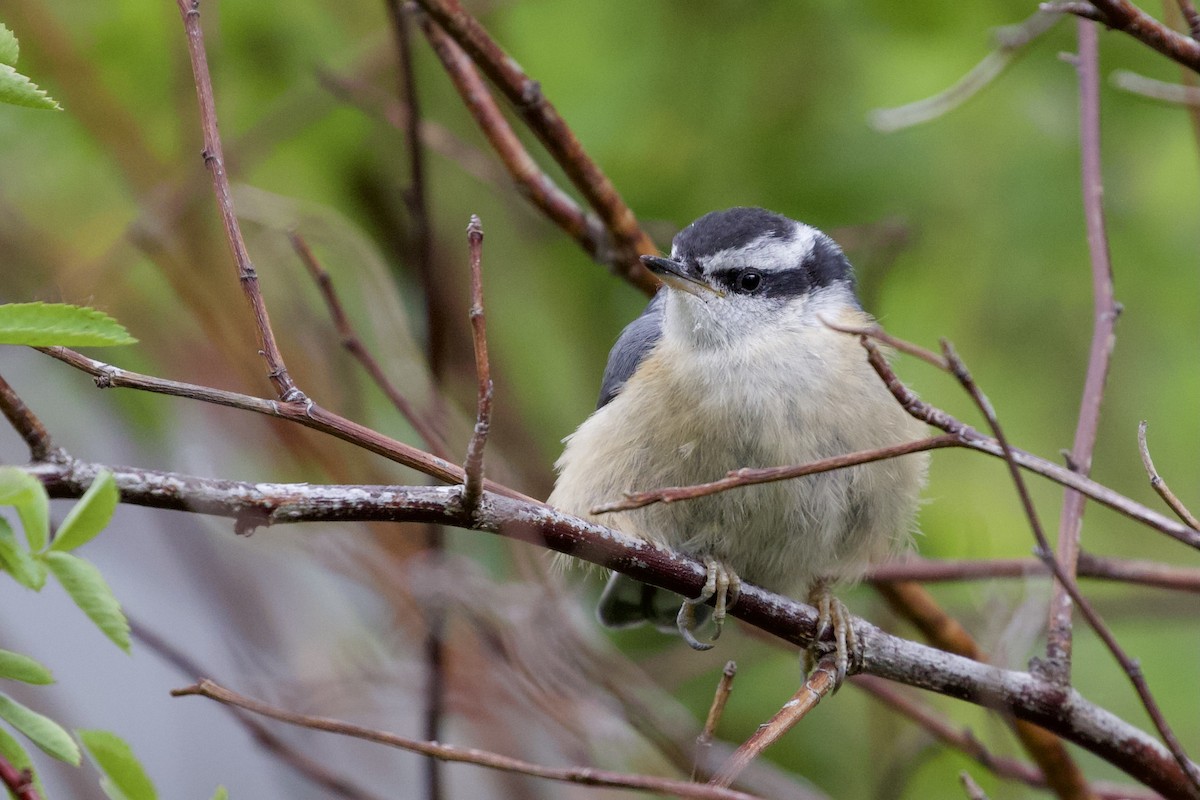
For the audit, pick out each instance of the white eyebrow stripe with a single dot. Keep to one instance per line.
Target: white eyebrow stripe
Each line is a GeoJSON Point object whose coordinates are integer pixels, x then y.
{"type": "Point", "coordinates": [767, 253]}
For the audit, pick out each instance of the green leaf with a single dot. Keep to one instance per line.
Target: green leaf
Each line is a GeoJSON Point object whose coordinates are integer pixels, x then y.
{"type": "Point", "coordinates": [42, 731]}
{"type": "Point", "coordinates": [13, 752]}
{"type": "Point", "coordinates": [120, 766]}
{"type": "Point", "coordinates": [17, 561]}
{"type": "Point", "coordinates": [221, 794]}
{"type": "Point", "coordinates": [49, 324]}
{"type": "Point", "coordinates": [8, 46]}
{"type": "Point", "coordinates": [90, 592]}
{"type": "Point", "coordinates": [18, 667]}
{"type": "Point", "coordinates": [17, 90]}
{"type": "Point", "coordinates": [90, 515]}
{"type": "Point", "coordinates": [20, 489]}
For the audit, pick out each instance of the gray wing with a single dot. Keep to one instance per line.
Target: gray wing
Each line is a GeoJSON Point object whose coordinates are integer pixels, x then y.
{"type": "Point", "coordinates": [634, 343]}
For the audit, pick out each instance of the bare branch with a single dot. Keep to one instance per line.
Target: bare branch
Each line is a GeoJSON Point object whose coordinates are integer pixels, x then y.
{"type": "Point", "coordinates": [537, 187]}
{"type": "Point", "coordinates": [1177, 93]}
{"type": "Point", "coordinates": [27, 424]}
{"type": "Point", "coordinates": [1160, 485]}
{"type": "Point", "coordinates": [18, 781]}
{"type": "Point", "coordinates": [820, 683]}
{"type": "Point", "coordinates": [973, 790]}
{"type": "Point", "coordinates": [1124, 16]}
{"type": "Point", "coordinates": [1188, 9]}
{"type": "Point", "coordinates": [750, 477]}
{"type": "Point", "coordinates": [464, 755]}
{"type": "Point", "coordinates": [1105, 313]}
{"type": "Point", "coordinates": [354, 345]}
{"type": "Point", "coordinates": [525, 95]}
{"type": "Point", "coordinates": [720, 698]}
{"type": "Point", "coordinates": [1062, 711]}
{"type": "Point", "coordinates": [473, 468]}
{"type": "Point", "coordinates": [214, 159]}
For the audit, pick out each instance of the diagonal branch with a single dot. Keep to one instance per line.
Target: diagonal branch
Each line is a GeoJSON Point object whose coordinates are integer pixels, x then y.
{"type": "Point", "coordinates": [1124, 16]}
{"type": "Point", "coordinates": [26, 424]}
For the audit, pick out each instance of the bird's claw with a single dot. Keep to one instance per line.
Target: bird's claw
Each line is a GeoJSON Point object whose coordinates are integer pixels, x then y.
{"type": "Point", "coordinates": [721, 583]}
{"type": "Point", "coordinates": [832, 613]}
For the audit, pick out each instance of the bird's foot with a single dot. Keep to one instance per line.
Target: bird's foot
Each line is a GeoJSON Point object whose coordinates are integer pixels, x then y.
{"type": "Point", "coordinates": [832, 613]}
{"type": "Point", "coordinates": [721, 583]}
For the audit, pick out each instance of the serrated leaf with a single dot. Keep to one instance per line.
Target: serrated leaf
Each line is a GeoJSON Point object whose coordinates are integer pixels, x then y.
{"type": "Point", "coordinates": [20, 667]}
{"type": "Point", "coordinates": [9, 50]}
{"type": "Point", "coordinates": [90, 592]}
{"type": "Point", "coordinates": [41, 730]}
{"type": "Point", "coordinates": [26, 493]}
{"type": "Point", "coordinates": [90, 515]}
{"type": "Point", "coordinates": [49, 324]}
{"type": "Point", "coordinates": [116, 760]}
{"type": "Point", "coordinates": [17, 90]}
{"type": "Point", "coordinates": [16, 559]}
{"type": "Point", "coordinates": [221, 793]}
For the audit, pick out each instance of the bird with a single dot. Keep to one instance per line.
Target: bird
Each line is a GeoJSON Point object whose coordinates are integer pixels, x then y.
{"type": "Point", "coordinates": [735, 363]}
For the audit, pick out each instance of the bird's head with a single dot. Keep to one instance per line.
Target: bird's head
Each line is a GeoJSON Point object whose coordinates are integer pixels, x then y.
{"type": "Point", "coordinates": [748, 271]}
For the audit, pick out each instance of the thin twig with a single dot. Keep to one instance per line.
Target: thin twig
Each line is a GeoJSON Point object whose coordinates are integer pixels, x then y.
{"type": "Point", "coordinates": [464, 755]}
{"type": "Point", "coordinates": [473, 467]}
{"type": "Point", "coordinates": [1132, 668]}
{"type": "Point", "coordinates": [1105, 310]}
{"type": "Point", "coordinates": [1175, 93]}
{"type": "Point", "coordinates": [214, 159]}
{"type": "Point", "coordinates": [1061, 711]}
{"type": "Point", "coordinates": [1159, 485]}
{"type": "Point", "coordinates": [1011, 42]}
{"type": "Point", "coordinates": [539, 188]}
{"type": "Point", "coordinates": [18, 781]}
{"type": "Point", "coordinates": [1080, 8]}
{"type": "Point", "coordinates": [306, 413]}
{"type": "Point", "coordinates": [819, 683]}
{"type": "Point", "coordinates": [1138, 572]}
{"type": "Point", "coordinates": [974, 440]}
{"type": "Point", "coordinates": [354, 345]}
{"type": "Point", "coordinates": [525, 95]}
{"type": "Point", "coordinates": [750, 477]}
{"type": "Point", "coordinates": [27, 424]}
{"type": "Point", "coordinates": [720, 698]}
{"type": "Point", "coordinates": [312, 769]}
{"type": "Point", "coordinates": [973, 790]}
{"type": "Point", "coordinates": [1188, 9]}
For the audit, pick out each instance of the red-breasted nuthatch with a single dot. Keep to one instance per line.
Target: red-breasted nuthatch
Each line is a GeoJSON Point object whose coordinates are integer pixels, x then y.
{"type": "Point", "coordinates": [732, 365]}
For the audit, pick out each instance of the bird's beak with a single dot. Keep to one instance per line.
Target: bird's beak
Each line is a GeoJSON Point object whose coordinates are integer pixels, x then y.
{"type": "Point", "coordinates": [675, 275]}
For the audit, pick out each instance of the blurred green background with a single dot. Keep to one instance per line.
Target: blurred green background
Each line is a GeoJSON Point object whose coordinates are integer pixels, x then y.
{"type": "Point", "coordinates": [968, 227]}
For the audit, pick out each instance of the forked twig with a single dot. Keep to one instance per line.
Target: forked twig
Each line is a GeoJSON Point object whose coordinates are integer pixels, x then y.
{"type": "Point", "coordinates": [1124, 16]}
{"type": "Point", "coordinates": [465, 755]}
{"type": "Point", "coordinates": [819, 683]}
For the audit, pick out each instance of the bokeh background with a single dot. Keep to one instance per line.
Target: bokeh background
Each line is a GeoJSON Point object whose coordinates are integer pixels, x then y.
{"type": "Point", "coordinates": [968, 227]}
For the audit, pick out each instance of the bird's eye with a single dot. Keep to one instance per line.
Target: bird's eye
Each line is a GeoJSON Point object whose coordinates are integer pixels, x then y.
{"type": "Point", "coordinates": [749, 281]}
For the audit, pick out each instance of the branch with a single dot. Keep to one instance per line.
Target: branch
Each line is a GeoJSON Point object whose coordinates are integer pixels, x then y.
{"type": "Point", "coordinates": [214, 160]}
{"type": "Point", "coordinates": [1105, 313]}
{"type": "Point", "coordinates": [27, 425]}
{"type": "Point", "coordinates": [473, 468]}
{"type": "Point", "coordinates": [465, 755]}
{"type": "Point", "coordinates": [18, 781]}
{"type": "Point", "coordinates": [525, 95]}
{"type": "Point", "coordinates": [534, 184]}
{"type": "Point", "coordinates": [820, 683]}
{"type": "Point", "coordinates": [1061, 710]}
{"type": "Point", "coordinates": [1160, 485]}
{"type": "Point", "coordinates": [1124, 16]}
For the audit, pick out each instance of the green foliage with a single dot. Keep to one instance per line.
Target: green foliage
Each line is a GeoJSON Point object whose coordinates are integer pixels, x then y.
{"type": "Point", "coordinates": [26, 493]}
{"type": "Point", "coordinates": [90, 515]}
{"type": "Point", "coordinates": [221, 793]}
{"type": "Point", "coordinates": [124, 778]}
{"type": "Point", "coordinates": [15, 88]}
{"type": "Point", "coordinates": [50, 324]}
{"type": "Point", "coordinates": [90, 592]}
{"type": "Point", "coordinates": [18, 561]}
{"type": "Point", "coordinates": [18, 756]}
{"type": "Point", "coordinates": [18, 667]}
{"type": "Point", "coordinates": [41, 730]}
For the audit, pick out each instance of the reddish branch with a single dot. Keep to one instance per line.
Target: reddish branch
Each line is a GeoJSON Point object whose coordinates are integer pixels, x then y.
{"type": "Point", "coordinates": [27, 424]}
{"type": "Point", "coordinates": [1124, 16]}
{"type": "Point", "coordinates": [18, 781]}
{"type": "Point", "coordinates": [1105, 313]}
{"type": "Point", "coordinates": [473, 468]}
{"type": "Point", "coordinates": [466, 755]}
{"type": "Point", "coordinates": [214, 160]}
{"type": "Point", "coordinates": [525, 95]}
{"type": "Point", "coordinates": [537, 187]}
